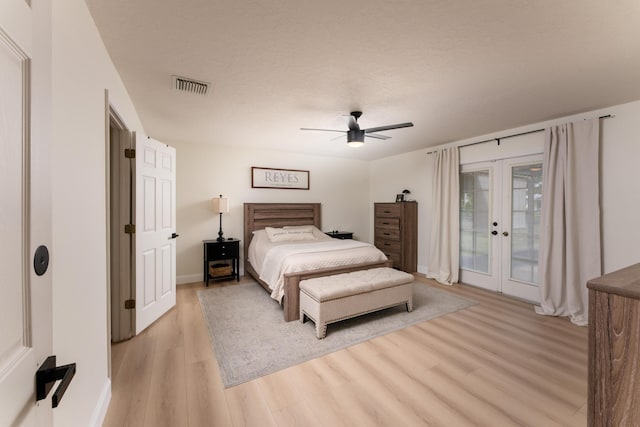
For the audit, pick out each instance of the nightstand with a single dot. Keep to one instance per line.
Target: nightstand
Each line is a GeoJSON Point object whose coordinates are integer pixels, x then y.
{"type": "Point", "coordinates": [221, 260]}
{"type": "Point", "coordinates": [339, 234]}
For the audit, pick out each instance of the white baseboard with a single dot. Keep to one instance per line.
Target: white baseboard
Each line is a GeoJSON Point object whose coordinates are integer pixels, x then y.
{"type": "Point", "coordinates": [188, 278]}
{"type": "Point", "coordinates": [102, 405]}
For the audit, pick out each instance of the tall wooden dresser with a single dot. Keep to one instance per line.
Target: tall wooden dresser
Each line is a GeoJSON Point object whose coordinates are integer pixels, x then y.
{"type": "Point", "coordinates": [396, 233]}
{"type": "Point", "coordinates": [614, 349]}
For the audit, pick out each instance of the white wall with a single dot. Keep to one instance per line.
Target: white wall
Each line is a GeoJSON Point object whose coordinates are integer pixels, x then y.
{"type": "Point", "coordinates": [205, 172]}
{"type": "Point", "coordinates": [620, 188]}
{"type": "Point", "coordinates": [82, 71]}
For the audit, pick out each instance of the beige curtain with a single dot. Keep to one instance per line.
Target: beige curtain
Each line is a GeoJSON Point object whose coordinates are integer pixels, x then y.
{"type": "Point", "coordinates": [570, 252]}
{"type": "Point", "coordinates": [444, 245]}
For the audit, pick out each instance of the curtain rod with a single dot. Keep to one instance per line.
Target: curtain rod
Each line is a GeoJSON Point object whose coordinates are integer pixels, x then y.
{"type": "Point", "coordinates": [511, 136]}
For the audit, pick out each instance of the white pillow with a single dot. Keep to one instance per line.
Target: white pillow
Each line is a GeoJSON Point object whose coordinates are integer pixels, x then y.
{"type": "Point", "coordinates": [319, 235]}
{"type": "Point", "coordinates": [303, 228]}
{"type": "Point", "coordinates": [259, 236]}
{"type": "Point", "coordinates": [289, 234]}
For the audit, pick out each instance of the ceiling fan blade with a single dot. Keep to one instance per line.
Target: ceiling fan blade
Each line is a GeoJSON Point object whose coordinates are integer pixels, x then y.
{"type": "Point", "coordinates": [389, 127]}
{"type": "Point", "coordinates": [378, 136]}
{"type": "Point", "coordinates": [325, 130]}
{"type": "Point", "coordinates": [337, 137]}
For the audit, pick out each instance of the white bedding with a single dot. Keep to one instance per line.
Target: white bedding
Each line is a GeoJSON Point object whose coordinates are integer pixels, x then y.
{"type": "Point", "coordinates": [272, 260]}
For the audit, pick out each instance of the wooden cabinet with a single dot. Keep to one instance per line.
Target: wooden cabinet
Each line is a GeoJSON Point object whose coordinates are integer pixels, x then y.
{"type": "Point", "coordinates": [614, 349]}
{"type": "Point", "coordinates": [396, 233]}
{"type": "Point", "coordinates": [221, 256]}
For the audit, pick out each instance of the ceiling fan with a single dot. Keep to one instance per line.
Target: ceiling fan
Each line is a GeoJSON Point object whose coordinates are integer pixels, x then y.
{"type": "Point", "coordinates": [355, 135]}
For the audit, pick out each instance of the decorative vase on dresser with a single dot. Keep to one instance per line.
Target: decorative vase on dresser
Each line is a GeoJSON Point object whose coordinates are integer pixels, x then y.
{"type": "Point", "coordinates": [396, 233]}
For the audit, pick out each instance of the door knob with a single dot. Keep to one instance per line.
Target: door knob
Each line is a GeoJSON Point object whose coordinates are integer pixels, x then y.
{"type": "Point", "coordinates": [505, 233]}
{"type": "Point", "coordinates": [494, 232]}
{"type": "Point", "coordinates": [174, 235]}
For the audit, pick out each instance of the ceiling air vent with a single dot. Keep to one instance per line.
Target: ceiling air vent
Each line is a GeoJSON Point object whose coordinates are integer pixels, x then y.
{"type": "Point", "coordinates": [184, 84]}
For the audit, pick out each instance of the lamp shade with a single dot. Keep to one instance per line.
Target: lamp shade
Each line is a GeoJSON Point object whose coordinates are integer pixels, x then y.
{"type": "Point", "coordinates": [221, 205]}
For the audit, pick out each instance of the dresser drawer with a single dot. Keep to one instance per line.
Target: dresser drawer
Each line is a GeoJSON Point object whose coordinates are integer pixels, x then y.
{"type": "Point", "coordinates": [387, 233]}
{"type": "Point", "coordinates": [386, 245]}
{"type": "Point", "coordinates": [391, 210]}
{"type": "Point", "coordinates": [222, 250]}
{"type": "Point", "coordinates": [388, 223]}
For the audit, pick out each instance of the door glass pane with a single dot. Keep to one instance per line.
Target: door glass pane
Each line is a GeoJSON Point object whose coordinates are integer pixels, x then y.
{"type": "Point", "coordinates": [526, 200]}
{"type": "Point", "coordinates": [474, 221]}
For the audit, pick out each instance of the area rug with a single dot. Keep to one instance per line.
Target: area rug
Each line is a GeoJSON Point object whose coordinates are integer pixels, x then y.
{"type": "Point", "coordinates": [251, 339]}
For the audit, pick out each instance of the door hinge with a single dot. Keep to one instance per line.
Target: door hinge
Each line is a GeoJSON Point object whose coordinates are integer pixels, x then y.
{"type": "Point", "coordinates": [130, 153]}
{"type": "Point", "coordinates": [130, 228]}
{"type": "Point", "coordinates": [130, 304]}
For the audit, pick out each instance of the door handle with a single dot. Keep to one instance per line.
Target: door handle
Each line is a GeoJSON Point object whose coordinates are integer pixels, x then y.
{"type": "Point", "coordinates": [46, 376]}
{"type": "Point", "coordinates": [505, 233]}
{"type": "Point", "coordinates": [174, 235]}
{"type": "Point", "coordinates": [494, 232]}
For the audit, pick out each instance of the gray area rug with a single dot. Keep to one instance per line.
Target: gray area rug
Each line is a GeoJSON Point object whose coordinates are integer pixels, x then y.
{"type": "Point", "coordinates": [251, 338]}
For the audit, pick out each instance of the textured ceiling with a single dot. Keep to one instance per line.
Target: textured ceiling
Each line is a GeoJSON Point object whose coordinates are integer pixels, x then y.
{"type": "Point", "coordinates": [455, 68]}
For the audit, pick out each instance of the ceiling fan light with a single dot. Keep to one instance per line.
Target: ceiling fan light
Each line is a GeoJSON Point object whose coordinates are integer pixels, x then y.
{"type": "Point", "coordinates": [355, 138]}
{"type": "Point", "coordinates": [355, 144]}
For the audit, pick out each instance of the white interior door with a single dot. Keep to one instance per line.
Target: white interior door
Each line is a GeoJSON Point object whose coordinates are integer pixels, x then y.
{"type": "Point", "coordinates": [155, 247]}
{"type": "Point", "coordinates": [25, 221]}
{"type": "Point", "coordinates": [500, 205]}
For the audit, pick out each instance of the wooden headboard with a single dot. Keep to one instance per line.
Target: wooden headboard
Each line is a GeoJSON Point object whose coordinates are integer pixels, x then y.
{"type": "Point", "coordinates": [260, 215]}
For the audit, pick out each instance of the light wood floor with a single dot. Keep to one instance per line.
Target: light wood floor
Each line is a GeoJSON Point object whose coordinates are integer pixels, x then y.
{"type": "Point", "coordinates": [494, 364]}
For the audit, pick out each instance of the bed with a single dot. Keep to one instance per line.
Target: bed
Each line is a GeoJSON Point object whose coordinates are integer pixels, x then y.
{"type": "Point", "coordinates": [258, 216]}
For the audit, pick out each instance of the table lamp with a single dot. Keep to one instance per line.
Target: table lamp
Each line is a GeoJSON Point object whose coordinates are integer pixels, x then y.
{"type": "Point", "coordinates": [220, 206]}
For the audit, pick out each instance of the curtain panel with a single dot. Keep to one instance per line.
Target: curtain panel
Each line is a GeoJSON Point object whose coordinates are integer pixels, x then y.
{"type": "Point", "coordinates": [444, 243]}
{"type": "Point", "coordinates": [570, 251]}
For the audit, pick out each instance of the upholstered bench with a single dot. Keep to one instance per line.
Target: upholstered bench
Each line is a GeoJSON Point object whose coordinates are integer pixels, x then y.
{"type": "Point", "coordinates": [330, 299]}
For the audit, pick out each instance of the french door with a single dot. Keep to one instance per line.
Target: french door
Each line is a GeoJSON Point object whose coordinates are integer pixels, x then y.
{"type": "Point", "coordinates": [500, 204]}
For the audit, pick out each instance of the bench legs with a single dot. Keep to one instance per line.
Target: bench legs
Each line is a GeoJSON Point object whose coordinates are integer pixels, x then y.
{"type": "Point", "coordinates": [321, 330]}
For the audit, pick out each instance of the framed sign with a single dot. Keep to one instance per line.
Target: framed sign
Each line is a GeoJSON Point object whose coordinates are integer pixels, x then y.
{"type": "Point", "coordinates": [292, 179]}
